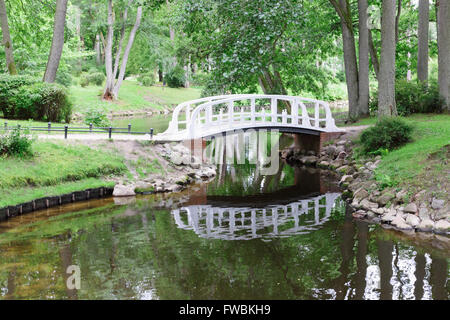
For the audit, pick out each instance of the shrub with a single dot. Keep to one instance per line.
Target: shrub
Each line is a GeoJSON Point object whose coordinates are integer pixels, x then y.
{"type": "Point", "coordinates": [413, 97]}
{"type": "Point", "coordinates": [200, 79]}
{"type": "Point", "coordinates": [41, 101]}
{"type": "Point", "coordinates": [8, 88]}
{"type": "Point", "coordinates": [96, 78]}
{"type": "Point", "coordinates": [64, 78]}
{"type": "Point", "coordinates": [84, 81]}
{"type": "Point", "coordinates": [16, 143]}
{"type": "Point", "coordinates": [147, 79]}
{"type": "Point", "coordinates": [175, 78]}
{"type": "Point", "coordinates": [388, 133]}
{"type": "Point", "coordinates": [97, 117]}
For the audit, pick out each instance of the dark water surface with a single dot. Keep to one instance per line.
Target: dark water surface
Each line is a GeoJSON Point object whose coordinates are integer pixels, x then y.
{"type": "Point", "coordinates": [243, 236]}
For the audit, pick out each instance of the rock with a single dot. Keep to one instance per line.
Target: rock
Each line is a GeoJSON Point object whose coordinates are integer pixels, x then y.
{"type": "Point", "coordinates": [366, 204]}
{"type": "Point", "coordinates": [309, 160]}
{"type": "Point", "coordinates": [442, 214]}
{"type": "Point", "coordinates": [121, 190]}
{"type": "Point", "coordinates": [360, 194]}
{"type": "Point", "coordinates": [388, 217]}
{"type": "Point", "coordinates": [323, 164]}
{"type": "Point", "coordinates": [378, 211]}
{"type": "Point", "coordinates": [400, 196]}
{"type": "Point", "coordinates": [342, 155]}
{"type": "Point", "coordinates": [412, 220]}
{"type": "Point", "coordinates": [442, 226]}
{"type": "Point", "coordinates": [285, 154]}
{"type": "Point", "coordinates": [425, 225]}
{"type": "Point", "coordinates": [310, 153]}
{"type": "Point", "coordinates": [437, 204]}
{"type": "Point", "coordinates": [341, 142]}
{"type": "Point", "coordinates": [330, 151]}
{"type": "Point", "coordinates": [399, 223]}
{"type": "Point", "coordinates": [360, 214]}
{"type": "Point", "coordinates": [371, 214]}
{"type": "Point", "coordinates": [385, 198]}
{"type": "Point", "coordinates": [423, 213]}
{"type": "Point", "coordinates": [343, 169]}
{"type": "Point", "coordinates": [346, 179]}
{"type": "Point", "coordinates": [410, 208]}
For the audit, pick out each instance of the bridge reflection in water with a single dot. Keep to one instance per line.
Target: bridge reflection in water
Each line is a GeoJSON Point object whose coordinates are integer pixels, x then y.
{"type": "Point", "coordinates": [246, 223]}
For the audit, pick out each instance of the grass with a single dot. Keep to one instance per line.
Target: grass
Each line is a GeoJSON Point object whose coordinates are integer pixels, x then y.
{"type": "Point", "coordinates": [408, 164]}
{"type": "Point", "coordinates": [55, 169]}
{"type": "Point", "coordinates": [132, 96]}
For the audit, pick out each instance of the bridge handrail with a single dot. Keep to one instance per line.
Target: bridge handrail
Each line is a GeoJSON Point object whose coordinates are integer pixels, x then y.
{"type": "Point", "coordinates": [185, 106]}
{"type": "Point", "coordinates": [298, 101]}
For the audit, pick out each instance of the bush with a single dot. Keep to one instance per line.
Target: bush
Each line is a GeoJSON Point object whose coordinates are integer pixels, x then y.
{"type": "Point", "coordinates": [16, 143]}
{"type": "Point", "coordinates": [97, 117]}
{"type": "Point", "coordinates": [413, 97]}
{"type": "Point", "coordinates": [200, 79]}
{"type": "Point", "coordinates": [64, 78]}
{"type": "Point", "coordinates": [84, 81]}
{"type": "Point", "coordinates": [41, 101]}
{"type": "Point", "coordinates": [388, 133]}
{"type": "Point", "coordinates": [175, 77]}
{"type": "Point", "coordinates": [8, 88]}
{"type": "Point", "coordinates": [96, 78]}
{"type": "Point", "coordinates": [147, 79]}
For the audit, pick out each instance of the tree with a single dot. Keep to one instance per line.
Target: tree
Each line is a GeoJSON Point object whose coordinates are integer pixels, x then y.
{"type": "Point", "coordinates": [57, 42]}
{"type": "Point", "coordinates": [422, 54]}
{"type": "Point", "coordinates": [11, 66]}
{"type": "Point", "coordinates": [114, 82]}
{"type": "Point", "coordinates": [386, 80]}
{"type": "Point", "coordinates": [357, 80]}
{"type": "Point", "coordinates": [444, 49]}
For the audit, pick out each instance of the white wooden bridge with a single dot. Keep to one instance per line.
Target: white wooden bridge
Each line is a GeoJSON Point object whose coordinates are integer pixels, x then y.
{"type": "Point", "coordinates": [214, 115]}
{"type": "Point", "coordinates": [277, 221]}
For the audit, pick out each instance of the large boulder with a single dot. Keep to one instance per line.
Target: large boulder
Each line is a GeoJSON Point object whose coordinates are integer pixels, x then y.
{"type": "Point", "coordinates": [360, 194]}
{"type": "Point", "coordinates": [411, 208]}
{"type": "Point", "coordinates": [385, 198]}
{"type": "Point", "coordinates": [442, 226]}
{"type": "Point", "coordinates": [437, 204]}
{"type": "Point", "coordinates": [121, 190]}
{"type": "Point", "coordinates": [412, 220]}
{"type": "Point", "coordinates": [425, 225]}
{"type": "Point", "coordinates": [400, 223]}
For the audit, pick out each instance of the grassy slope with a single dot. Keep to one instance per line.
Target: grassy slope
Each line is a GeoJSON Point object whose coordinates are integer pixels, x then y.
{"type": "Point", "coordinates": [132, 96]}
{"type": "Point", "coordinates": [408, 164]}
{"type": "Point", "coordinates": [55, 169]}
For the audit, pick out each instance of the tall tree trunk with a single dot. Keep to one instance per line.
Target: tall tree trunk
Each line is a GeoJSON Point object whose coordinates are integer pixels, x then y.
{"type": "Point", "coordinates": [98, 50]}
{"type": "Point", "coordinates": [386, 80]}
{"type": "Point", "coordinates": [444, 49]}
{"type": "Point", "coordinates": [7, 43]}
{"type": "Point", "coordinates": [363, 76]}
{"type": "Point", "coordinates": [350, 61]}
{"type": "Point", "coordinates": [109, 86]}
{"type": "Point", "coordinates": [127, 52]}
{"type": "Point", "coordinates": [422, 53]}
{"type": "Point", "coordinates": [57, 41]}
{"type": "Point", "coordinates": [374, 55]}
{"type": "Point", "coordinates": [397, 18]}
{"type": "Point", "coordinates": [122, 36]}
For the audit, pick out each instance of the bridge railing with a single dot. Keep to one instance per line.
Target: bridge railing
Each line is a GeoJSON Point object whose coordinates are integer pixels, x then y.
{"type": "Point", "coordinates": [232, 112]}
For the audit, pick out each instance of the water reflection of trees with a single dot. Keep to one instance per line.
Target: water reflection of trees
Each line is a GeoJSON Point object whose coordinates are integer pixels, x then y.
{"type": "Point", "coordinates": [143, 254]}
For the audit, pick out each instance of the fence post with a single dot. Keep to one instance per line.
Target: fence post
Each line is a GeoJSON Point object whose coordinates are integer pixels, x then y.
{"type": "Point", "coordinates": [151, 133]}
{"type": "Point", "coordinates": [66, 129]}
{"type": "Point", "coordinates": [129, 127]}
{"type": "Point", "coordinates": [110, 132]}
{"type": "Point", "coordinates": [90, 127]}
{"type": "Point", "coordinates": [49, 126]}
{"type": "Point", "coordinates": [6, 125]}
{"type": "Point", "coordinates": [18, 127]}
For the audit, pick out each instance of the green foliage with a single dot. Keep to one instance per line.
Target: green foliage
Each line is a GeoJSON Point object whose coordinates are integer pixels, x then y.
{"type": "Point", "coordinates": [84, 81]}
{"type": "Point", "coordinates": [175, 78]}
{"type": "Point", "coordinates": [413, 97]}
{"type": "Point", "coordinates": [96, 78]}
{"type": "Point", "coordinates": [147, 79]}
{"type": "Point", "coordinates": [388, 133]}
{"type": "Point", "coordinates": [41, 101]}
{"type": "Point", "coordinates": [64, 78]}
{"type": "Point", "coordinates": [97, 117]}
{"type": "Point", "coordinates": [8, 87]}
{"type": "Point", "coordinates": [16, 143]}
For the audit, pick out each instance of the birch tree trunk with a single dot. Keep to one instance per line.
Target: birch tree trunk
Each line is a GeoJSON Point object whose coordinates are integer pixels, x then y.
{"type": "Point", "coordinates": [422, 53]}
{"type": "Point", "coordinates": [57, 41]}
{"type": "Point", "coordinates": [127, 52]}
{"type": "Point", "coordinates": [122, 36]}
{"type": "Point", "coordinates": [363, 73]}
{"type": "Point", "coordinates": [374, 55]}
{"type": "Point", "coordinates": [386, 80]}
{"type": "Point", "coordinates": [109, 86]}
{"type": "Point", "coordinates": [7, 43]}
{"type": "Point", "coordinates": [98, 50]}
{"type": "Point", "coordinates": [444, 49]}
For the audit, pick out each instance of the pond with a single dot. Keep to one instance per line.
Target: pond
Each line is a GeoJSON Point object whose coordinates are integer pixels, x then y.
{"type": "Point", "coordinates": [242, 236]}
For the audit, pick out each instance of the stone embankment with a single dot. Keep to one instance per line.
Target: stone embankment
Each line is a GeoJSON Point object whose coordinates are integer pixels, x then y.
{"type": "Point", "coordinates": [393, 207]}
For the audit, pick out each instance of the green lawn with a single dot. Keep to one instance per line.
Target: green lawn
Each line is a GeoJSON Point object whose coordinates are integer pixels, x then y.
{"type": "Point", "coordinates": [406, 165]}
{"type": "Point", "coordinates": [132, 96]}
{"type": "Point", "coordinates": [55, 169]}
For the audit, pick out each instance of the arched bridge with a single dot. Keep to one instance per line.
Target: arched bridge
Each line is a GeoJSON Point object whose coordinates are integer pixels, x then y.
{"type": "Point", "coordinates": [214, 115]}
{"type": "Point", "coordinates": [246, 223]}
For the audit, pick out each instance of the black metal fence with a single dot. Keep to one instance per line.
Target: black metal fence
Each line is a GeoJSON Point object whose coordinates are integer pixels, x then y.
{"type": "Point", "coordinates": [67, 129]}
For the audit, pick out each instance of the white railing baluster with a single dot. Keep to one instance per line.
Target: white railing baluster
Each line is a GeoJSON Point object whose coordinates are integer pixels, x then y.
{"type": "Point", "coordinates": [252, 110]}
{"type": "Point", "coordinates": [274, 109]}
{"type": "Point", "coordinates": [230, 113]}
{"type": "Point", "coordinates": [284, 117]}
{"type": "Point", "coordinates": [294, 113]}
{"type": "Point", "coordinates": [316, 115]}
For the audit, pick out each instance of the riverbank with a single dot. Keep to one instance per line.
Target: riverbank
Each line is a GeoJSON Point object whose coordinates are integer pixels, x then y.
{"type": "Point", "coordinates": [78, 170]}
{"type": "Point", "coordinates": [406, 189]}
